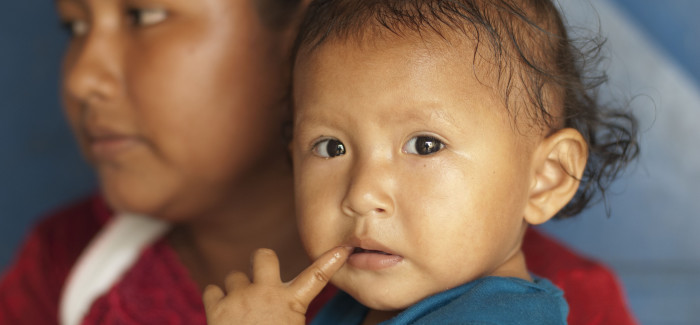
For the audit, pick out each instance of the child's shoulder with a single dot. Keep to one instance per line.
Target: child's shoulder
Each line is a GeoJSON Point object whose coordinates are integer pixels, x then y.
{"type": "Point", "coordinates": [491, 300]}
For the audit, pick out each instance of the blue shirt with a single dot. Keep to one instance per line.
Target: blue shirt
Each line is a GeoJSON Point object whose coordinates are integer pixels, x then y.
{"type": "Point", "coordinates": [489, 300]}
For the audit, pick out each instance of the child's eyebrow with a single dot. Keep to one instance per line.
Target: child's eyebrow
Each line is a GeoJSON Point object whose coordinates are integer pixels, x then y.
{"type": "Point", "coordinates": [432, 112]}
{"type": "Point", "coordinates": [313, 119]}
{"type": "Point", "coordinates": [428, 112]}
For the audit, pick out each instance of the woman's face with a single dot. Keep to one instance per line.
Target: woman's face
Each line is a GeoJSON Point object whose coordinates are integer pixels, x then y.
{"type": "Point", "coordinates": [176, 103]}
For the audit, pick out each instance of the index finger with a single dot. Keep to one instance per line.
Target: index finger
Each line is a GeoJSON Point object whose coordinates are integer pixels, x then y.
{"type": "Point", "coordinates": [309, 283]}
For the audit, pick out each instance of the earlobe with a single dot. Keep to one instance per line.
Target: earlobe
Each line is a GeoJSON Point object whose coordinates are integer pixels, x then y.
{"type": "Point", "coordinates": [558, 165]}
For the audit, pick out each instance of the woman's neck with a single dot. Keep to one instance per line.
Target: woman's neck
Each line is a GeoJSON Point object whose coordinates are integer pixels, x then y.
{"type": "Point", "coordinates": [260, 214]}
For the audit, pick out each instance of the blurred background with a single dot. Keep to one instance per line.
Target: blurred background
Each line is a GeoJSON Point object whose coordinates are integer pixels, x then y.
{"type": "Point", "coordinates": [650, 238]}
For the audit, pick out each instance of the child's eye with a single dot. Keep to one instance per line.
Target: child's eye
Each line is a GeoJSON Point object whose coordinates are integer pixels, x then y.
{"type": "Point", "coordinates": [146, 16]}
{"type": "Point", "coordinates": [76, 28]}
{"type": "Point", "coordinates": [329, 148]}
{"type": "Point", "coordinates": [423, 145]}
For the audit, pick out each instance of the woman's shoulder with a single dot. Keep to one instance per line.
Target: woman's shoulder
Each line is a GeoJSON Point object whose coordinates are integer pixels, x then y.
{"type": "Point", "coordinates": [591, 288]}
{"type": "Point", "coordinates": [82, 215]}
{"type": "Point", "coordinates": [30, 288]}
{"type": "Point", "coordinates": [60, 237]}
{"type": "Point", "coordinates": [545, 256]}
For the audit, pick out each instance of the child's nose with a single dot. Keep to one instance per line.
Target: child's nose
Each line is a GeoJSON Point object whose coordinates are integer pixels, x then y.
{"type": "Point", "coordinates": [369, 191]}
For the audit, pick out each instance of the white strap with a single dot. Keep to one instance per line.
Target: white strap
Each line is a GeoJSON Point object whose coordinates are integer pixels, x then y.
{"type": "Point", "coordinates": [108, 256]}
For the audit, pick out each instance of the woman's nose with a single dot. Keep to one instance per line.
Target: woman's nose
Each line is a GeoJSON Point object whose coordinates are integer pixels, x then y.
{"type": "Point", "coordinates": [369, 191]}
{"type": "Point", "coordinates": [93, 67]}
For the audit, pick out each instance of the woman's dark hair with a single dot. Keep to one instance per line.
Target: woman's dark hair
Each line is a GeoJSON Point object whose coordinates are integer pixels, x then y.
{"type": "Point", "coordinates": [528, 44]}
{"type": "Point", "coordinates": [277, 14]}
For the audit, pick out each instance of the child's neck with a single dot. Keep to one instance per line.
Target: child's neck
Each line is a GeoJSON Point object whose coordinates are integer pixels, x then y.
{"type": "Point", "coordinates": [513, 267]}
{"type": "Point", "coordinates": [378, 316]}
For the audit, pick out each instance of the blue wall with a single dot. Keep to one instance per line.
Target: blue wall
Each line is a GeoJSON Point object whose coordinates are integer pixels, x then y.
{"type": "Point", "coordinates": [39, 164]}
{"type": "Point", "coordinates": [673, 25]}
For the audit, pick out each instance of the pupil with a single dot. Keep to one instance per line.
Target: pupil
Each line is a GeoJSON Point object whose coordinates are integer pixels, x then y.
{"type": "Point", "coordinates": [426, 145]}
{"type": "Point", "coordinates": [335, 148]}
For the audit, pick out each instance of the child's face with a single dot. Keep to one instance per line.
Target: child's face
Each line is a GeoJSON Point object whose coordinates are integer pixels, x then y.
{"type": "Point", "coordinates": [174, 102]}
{"type": "Point", "coordinates": [400, 151]}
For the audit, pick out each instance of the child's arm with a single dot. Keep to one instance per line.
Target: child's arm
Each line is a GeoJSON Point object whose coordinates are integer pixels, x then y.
{"type": "Point", "coordinates": [268, 300]}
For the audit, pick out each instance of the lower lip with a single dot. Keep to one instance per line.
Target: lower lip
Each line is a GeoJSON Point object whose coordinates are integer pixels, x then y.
{"type": "Point", "coordinates": [373, 261]}
{"type": "Point", "coordinates": [110, 148]}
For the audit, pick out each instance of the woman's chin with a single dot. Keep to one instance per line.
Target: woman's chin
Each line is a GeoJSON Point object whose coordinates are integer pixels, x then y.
{"type": "Point", "coordinates": [138, 202]}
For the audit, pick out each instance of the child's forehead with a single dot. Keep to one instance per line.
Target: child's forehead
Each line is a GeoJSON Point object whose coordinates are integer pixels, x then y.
{"type": "Point", "coordinates": [411, 53]}
{"type": "Point", "coordinates": [396, 72]}
{"type": "Point", "coordinates": [465, 45]}
{"type": "Point", "coordinates": [473, 72]}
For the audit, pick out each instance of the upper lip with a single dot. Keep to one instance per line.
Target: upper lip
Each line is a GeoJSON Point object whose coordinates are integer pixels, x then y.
{"type": "Point", "coordinates": [367, 243]}
{"type": "Point", "coordinates": [97, 132]}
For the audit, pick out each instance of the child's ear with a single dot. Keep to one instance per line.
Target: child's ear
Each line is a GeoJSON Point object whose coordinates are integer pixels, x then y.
{"type": "Point", "coordinates": [558, 165]}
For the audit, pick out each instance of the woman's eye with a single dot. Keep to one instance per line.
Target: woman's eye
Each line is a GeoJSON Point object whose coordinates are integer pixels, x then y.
{"type": "Point", "coordinates": [76, 28]}
{"type": "Point", "coordinates": [423, 145]}
{"type": "Point", "coordinates": [146, 16]}
{"type": "Point", "coordinates": [329, 148]}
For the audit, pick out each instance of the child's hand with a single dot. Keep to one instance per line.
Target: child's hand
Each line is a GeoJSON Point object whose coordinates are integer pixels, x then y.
{"type": "Point", "coordinates": [267, 300]}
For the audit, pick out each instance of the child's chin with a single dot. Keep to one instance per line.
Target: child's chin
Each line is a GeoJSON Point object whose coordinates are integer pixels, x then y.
{"type": "Point", "coordinates": [382, 301]}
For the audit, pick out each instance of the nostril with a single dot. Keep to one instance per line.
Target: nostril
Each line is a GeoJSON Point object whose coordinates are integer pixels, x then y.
{"type": "Point", "coordinates": [380, 210]}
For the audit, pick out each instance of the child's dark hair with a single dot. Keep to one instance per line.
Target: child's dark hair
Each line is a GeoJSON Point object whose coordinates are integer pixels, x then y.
{"type": "Point", "coordinates": [533, 55]}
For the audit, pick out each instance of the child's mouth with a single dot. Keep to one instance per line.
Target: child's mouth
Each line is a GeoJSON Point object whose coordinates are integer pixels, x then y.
{"type": "Point", "coordinates": [359, 250]}
{"type": "Point", "coordinates": [372, 260]}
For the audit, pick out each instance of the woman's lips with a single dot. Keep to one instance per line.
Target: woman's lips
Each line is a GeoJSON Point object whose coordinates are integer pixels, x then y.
{"type": "Point", "coordinates": [110, 146]}
{"type": "Point", "coordinates": [108, 142]}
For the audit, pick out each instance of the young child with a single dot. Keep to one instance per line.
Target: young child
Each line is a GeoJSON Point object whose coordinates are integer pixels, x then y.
{"type": "Point", "coordinates": [428, 135]}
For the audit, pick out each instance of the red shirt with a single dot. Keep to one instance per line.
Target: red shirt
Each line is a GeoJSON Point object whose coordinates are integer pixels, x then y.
{"type": "Point", "coordinates": [159, 290]}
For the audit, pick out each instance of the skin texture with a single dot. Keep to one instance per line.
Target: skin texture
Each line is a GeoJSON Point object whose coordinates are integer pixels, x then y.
{"type": "Point", "coordinates": [178, 105]}
{"type": "Point", "coordinates": [448, 217]}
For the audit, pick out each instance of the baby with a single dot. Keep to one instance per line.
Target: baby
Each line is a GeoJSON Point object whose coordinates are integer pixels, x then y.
{"type": "Point", "coordinates": [428, 135]}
